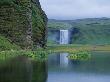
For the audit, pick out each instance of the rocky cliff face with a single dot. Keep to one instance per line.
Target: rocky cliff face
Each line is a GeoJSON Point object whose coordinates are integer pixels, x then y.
{"type": "Point", "coordinates": [39, 23]}
{"type": "Point", "coordinates": [23, 22]}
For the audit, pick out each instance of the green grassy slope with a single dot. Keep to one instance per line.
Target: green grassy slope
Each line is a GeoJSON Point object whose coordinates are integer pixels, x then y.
{"type": "Point", "coordinates": [53, 24]}
{"type": "Point", "coordinates": [90, 30]}
{"type": "Point", "coordinates": [5, 44]}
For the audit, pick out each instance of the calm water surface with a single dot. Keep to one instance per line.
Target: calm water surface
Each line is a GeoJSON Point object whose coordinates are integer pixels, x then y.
{"type": "Point", "coordinates": [96, 69]}
{"type": "Point", "coordinates": [22, 69]}
{"type": "Point", "coordinates": [58, 68]}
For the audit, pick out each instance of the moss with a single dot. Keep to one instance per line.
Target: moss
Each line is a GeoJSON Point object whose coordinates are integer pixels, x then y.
{"type": "Point", "coordinates": [6, 2]}
{"type": "Point", "coordinates": [14, 23]}
{"type": "Point", "coordinates": [5, 44]}
{"type": "Point", "coordinates": [39, 21]}
{"type": "Point", "coordinates": [23, 22]}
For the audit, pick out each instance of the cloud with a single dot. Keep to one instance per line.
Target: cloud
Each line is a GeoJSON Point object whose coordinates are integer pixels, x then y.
{"type": "Point", "coordinates": [73, 9]}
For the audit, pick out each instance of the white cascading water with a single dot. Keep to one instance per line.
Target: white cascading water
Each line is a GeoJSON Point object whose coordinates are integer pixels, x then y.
{"type": "Point", "coordinates": [64, 39]}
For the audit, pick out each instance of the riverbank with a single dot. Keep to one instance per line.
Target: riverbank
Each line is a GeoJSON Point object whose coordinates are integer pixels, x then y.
{"type": "Point", "coordinates": [42, 54]}
{"type": "Point", "coordinates": [66, 48]}
{"type": "Point", "coordinates": [78, 47]}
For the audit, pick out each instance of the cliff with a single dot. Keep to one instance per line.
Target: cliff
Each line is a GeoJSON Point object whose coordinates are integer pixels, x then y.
{"type": "Point", "coordinates": [23, 22]}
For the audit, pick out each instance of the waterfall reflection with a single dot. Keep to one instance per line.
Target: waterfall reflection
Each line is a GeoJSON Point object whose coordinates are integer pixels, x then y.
{"type": "Point", "coordinates": [64, 60]}
{"type": "Point", "coordinates": [59, 60]}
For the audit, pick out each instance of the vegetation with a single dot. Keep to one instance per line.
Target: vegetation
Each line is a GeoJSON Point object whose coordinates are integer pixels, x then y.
{"type": "Point", "coordinates": [80, 55]}
{"type": "Point", "coordinates": [5, 44]}
{"type": "Point", "coordinates": [23, 22]}
{"type": "Point", "coordinates": [33, 55]}
{"type": "Point", "coordinates": [19, 33]}
{"type": "Point", "coordinates": [39, 21]}
{"type": "Point", "coordinates": [6, 2]}
{"type": "Point", "coordinates": [87, 31]}
{"type": "Point", "coordinates": [70, 48]}
{"type": "Point", "coordinates": [22, 29]}
{"type": "Point", "coordinates": [58, 25]}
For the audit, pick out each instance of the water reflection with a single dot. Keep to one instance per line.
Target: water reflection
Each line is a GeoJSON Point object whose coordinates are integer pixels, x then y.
{"type": "Point", "coordinates": [22, 69]}
{"type": "Point", "coordinates": [40, 71]}
{"type": "Point", "coordinates": [64, 61]}
{"type": "Point", "coordinates": [60, 69]}
{"type": "Point", "coordinates": [96, 69]}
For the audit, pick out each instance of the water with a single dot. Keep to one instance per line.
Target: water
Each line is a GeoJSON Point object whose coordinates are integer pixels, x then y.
{"type": "Point", "coordinates": [63, 59]}
{"type": "Point", "coordinates": [64, 39]}
{"type": "Point", "coordinates": [23, 69]}
{"type": "Point", "coordinates": [96, 69]}
{"type": "Point", "coordinates": [64, 36]}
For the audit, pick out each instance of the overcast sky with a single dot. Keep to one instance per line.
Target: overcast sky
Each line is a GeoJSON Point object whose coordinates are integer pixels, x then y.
{"type": "Point", "coordinates": [75, 9]}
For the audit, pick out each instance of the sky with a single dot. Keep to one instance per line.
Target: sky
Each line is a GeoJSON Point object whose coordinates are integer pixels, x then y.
{"type": "Point", "coordinates": [76, 9]}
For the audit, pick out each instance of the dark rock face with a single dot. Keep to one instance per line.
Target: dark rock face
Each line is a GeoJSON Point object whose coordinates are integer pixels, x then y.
{"type": "Point", "coordinates": [74, 33]}
{"type": "Point", "coordinates": [23, 22]}
{"type": "Point", "coordinates": [53, 36]}
{"type": "Point", "coordinates": [39, 23]}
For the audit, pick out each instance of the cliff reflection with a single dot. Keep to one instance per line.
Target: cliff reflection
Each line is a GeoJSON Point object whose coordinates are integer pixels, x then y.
{"type": "Point", "coordinates": [22, 69]}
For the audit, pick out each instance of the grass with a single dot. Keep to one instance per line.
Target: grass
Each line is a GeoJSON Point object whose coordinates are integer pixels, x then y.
{"type": "Point", "coordinates": [33, 55]}
{"type": "Point", "coordinates": [58, 25]}
{"type": "Point", "coordinates": [5, 44]}
{"type": "Point", "coordinates": [80, 55]}
{"type": "Point", "coordinates": [88, 31]}
{"type": "Point", "coordinates": [72, 48]}
{"type": "Point", "coordinates": [75, 51]}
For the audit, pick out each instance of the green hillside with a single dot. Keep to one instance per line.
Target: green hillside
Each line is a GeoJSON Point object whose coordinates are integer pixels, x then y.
{"type": "Point", "coordinates": [87, 31]}
{"type": "Point", "coordinates": [52, 24]}
{"type": "Point", "coordinates": [5, 44]}
{"type": "Point", "coordinates": [23, 22]}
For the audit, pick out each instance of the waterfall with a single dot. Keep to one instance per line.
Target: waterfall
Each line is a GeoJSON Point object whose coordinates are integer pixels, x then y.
{"type": "Point", "coordinates": [64, 34]}
{"type": "Point", "coordinates": [64, 39]}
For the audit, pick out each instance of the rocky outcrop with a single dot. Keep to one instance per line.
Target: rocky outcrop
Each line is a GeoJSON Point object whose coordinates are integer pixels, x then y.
{"type": "Point", "coordinates": [39, 24]}
{"type": "Point", "coordinates": [23, 22]}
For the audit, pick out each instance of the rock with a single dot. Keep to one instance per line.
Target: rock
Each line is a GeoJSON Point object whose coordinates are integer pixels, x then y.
{"type": "Point", "coordinates": [23, 22]}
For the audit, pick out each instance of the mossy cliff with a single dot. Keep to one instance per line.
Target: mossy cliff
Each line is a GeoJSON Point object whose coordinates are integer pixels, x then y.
{"type": "Point", "coordinates": [23, 22]}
